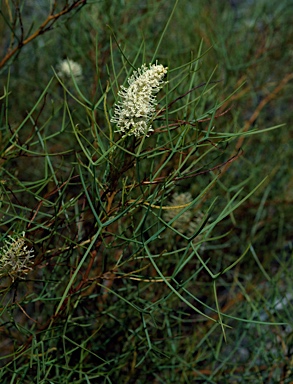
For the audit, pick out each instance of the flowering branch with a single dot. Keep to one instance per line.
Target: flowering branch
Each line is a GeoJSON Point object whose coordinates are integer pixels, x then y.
{"type": "Point", "coordinates": [133, 115]}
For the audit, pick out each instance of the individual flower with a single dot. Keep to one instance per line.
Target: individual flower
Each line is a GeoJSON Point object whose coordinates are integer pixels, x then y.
{"type": "Point", "coordinates": [15, 257]}
{"type": "Point", "coordinates": [68, 68]}
{"type": "Point", "coordinates": [133, 114]}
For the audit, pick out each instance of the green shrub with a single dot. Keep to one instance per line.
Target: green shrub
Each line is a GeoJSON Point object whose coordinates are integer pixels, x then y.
{"type": "Point", "coordinates": [145, 192]}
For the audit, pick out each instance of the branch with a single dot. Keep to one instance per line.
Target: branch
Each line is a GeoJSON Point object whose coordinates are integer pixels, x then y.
{"type": "Point", "coordinates": [44, 27]}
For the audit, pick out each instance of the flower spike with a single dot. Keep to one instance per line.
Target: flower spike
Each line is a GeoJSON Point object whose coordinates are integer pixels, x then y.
{"type": "Point", "coordinates": [134, 113]}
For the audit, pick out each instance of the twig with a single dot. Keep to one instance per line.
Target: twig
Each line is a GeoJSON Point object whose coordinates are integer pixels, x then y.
{"type": "Point", "coordinates": [44, 27]}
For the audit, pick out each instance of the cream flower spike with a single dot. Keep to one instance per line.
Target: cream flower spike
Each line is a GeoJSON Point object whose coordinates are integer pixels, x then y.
{"type": "Point", "coordinates": [67, 68]}
{"type": "Point", "coordinates": [133, 114]}
{"type": "Point", "coordinates": [15, 257]}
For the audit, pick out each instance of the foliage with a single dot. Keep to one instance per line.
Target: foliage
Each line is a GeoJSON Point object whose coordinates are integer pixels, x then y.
{"type": "Point", "coordinates": [158, 257]}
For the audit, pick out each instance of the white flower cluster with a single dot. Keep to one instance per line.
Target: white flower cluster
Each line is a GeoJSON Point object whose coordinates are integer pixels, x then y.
{"type": "Point", "coordinates": [134, 113]}
{"type": "Point", "coordinates": [186, 223]}
{"type": "Point", "coordinates": [68, 68]}
{"type": "Point", "coordinates": [15, 257]}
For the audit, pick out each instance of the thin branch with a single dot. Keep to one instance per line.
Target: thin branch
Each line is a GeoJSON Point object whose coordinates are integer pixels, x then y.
{"type": "Point", "coordinates": [163, 179]}
{"type": "Point", "coordinates": [44, 27]}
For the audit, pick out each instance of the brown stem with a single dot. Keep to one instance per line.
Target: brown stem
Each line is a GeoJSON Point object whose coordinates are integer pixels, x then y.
{"type": "Point", "coordinates": [45, 26]}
